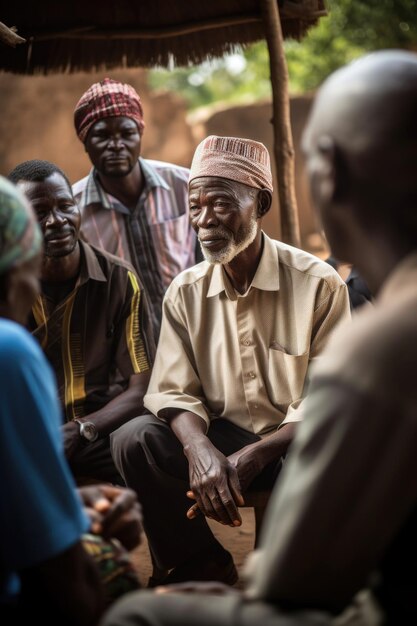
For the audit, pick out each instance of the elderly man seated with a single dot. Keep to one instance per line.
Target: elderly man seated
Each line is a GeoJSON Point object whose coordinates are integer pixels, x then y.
{"type": "Point", "coordinates": [239, 331]}
{"type": "Point", "coordinates": [343, 516]}
{"type": "Point", "coordinates": [89, 320]}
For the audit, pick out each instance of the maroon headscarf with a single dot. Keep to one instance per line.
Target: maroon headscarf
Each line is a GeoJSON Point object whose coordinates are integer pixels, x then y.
{"type": "Point", "coordinates": [108, 98]}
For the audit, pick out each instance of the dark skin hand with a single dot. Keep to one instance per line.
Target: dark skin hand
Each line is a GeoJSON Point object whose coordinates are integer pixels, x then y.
{"type": "Point", "coordinates": [249, 461]}
{"type": "Point", "coordinates": [114, 513]}
{"type": "Point", "coordinates": [213, 479]}
{"type": "Point", "coordinates": [217, 482]}
{"type": "Point", "coordinates": [71, 581]}
{"type": "Point", "coordinates": [126, 405]}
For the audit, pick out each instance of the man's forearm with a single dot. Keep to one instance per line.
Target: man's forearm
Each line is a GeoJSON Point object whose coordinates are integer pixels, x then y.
{"type": "Point", "coordinates": [188, 427]}
{"type": "Point", "coordinates": [122, 408]}
{"type": "Point", "coordinates": [272, 447]}
{"type": "Point", "coordinates": [277, 444]}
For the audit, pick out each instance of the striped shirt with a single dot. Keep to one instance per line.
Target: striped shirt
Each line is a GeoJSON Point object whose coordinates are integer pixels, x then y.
{"type": "Point", "coordinates": [156, 237]}
{"type": "Point", "coordinates": [93, 338]}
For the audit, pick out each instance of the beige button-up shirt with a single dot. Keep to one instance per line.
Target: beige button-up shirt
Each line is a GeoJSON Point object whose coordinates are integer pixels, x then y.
{"type": "Point", "coordinates": [245, 358]}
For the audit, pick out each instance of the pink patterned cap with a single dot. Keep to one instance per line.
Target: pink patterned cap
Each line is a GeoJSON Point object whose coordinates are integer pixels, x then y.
{"type": "Point", "coordinates": [108, 98]}
{"type": "Point", "coordinates": [243, 160]}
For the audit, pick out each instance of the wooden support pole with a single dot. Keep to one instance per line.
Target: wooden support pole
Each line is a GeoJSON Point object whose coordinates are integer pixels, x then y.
{"type": "Point", "coordinates": [283, 143]}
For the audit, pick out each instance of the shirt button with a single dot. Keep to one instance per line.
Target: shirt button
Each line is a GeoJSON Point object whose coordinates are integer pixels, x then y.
{"type": "Point", "coordinates": [252, 375]}
{"type": "Point", "coordinates": [246, 342]}
{"type": "Point", "coordinates": [255, 406]}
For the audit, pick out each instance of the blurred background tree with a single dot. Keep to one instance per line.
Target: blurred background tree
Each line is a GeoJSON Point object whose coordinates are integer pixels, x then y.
{"type": "Point", "coordinates": [352, 28]}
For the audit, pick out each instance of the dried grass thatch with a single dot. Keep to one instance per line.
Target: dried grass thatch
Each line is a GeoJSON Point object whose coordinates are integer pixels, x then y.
{"type": "Point", "coordinates": [82, 36]}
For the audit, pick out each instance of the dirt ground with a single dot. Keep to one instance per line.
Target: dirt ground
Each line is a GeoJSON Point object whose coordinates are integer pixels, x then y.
{"type": "Point", "coordinates": [239, 541]}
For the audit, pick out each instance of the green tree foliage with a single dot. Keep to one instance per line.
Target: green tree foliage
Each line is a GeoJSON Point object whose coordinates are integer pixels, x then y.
{"type": "Point", "coordinates": [352, 28]}
{"type": "Point", "coordinates": [240, 77]}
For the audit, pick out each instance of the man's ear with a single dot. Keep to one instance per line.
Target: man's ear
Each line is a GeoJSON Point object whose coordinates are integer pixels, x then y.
{"type": "Point", "coordinates": [264, 202]}
{"type": "Point", "coordinates": [331, 172]}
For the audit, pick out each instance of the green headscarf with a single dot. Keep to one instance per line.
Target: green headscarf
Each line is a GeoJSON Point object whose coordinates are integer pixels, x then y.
{"type": "Point", "coordinates": [20, 235]}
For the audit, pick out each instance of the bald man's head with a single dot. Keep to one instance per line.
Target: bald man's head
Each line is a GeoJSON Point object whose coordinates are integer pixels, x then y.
{"type": "Point", "coordinates": [361, 139]}
{"type": "Point", "coordinates": [369, 101]}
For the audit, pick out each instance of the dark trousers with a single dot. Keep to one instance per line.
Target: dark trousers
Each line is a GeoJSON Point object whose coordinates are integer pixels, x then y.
{"type": "Point", "coordinates": [151, 460]}
{"type": "Point", "coordinates": [94, 461]}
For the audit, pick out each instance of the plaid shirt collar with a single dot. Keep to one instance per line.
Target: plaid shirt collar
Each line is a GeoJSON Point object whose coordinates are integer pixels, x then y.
{"type": "Point", "coordinates": [95, 194]}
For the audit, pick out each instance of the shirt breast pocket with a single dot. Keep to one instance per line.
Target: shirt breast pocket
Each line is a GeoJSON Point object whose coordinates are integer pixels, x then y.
{"type": "Point", "coordinates": [286, 377]}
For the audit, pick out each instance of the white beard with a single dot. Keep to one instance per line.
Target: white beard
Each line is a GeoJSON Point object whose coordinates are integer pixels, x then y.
{"type": "Point", "coordinates": [232, 248]}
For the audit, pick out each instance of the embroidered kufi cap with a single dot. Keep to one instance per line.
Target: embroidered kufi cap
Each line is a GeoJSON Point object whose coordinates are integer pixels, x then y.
{"type": "Point", "coordinates": [243, 160]}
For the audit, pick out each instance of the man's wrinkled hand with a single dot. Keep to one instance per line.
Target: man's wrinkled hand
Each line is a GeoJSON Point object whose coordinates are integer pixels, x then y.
{"type": "Point", "coordinates": [214, 484]}
{"type": "Point", "coordinates": [194, 510]}
{"type": "Point", "coordinates": [246, 464]}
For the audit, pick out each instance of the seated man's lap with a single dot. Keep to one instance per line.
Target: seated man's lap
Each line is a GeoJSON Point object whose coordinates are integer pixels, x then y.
{"type": "Point", "coordinates": [95, 459]}
{"type": "Point", "coordinates": [160, 446]}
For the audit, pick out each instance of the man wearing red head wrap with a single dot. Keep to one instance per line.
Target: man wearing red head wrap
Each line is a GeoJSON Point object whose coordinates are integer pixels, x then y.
{"type": "Point", "coordinates": [133, 207]}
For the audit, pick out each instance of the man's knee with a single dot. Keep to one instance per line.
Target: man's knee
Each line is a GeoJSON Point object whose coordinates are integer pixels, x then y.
{"type": "Point", "coordinates": [126, 439]}
{"type": "Point", "coordinates": [142, 437]}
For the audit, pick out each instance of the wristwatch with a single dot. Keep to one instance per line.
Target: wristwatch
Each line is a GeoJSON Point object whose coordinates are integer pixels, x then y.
{"type": "Point", "coordinates": [88, 430]}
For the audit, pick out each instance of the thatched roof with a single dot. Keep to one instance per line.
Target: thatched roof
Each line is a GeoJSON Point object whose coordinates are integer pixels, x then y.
{"type": "Point", "coordinates": [92, 35]}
